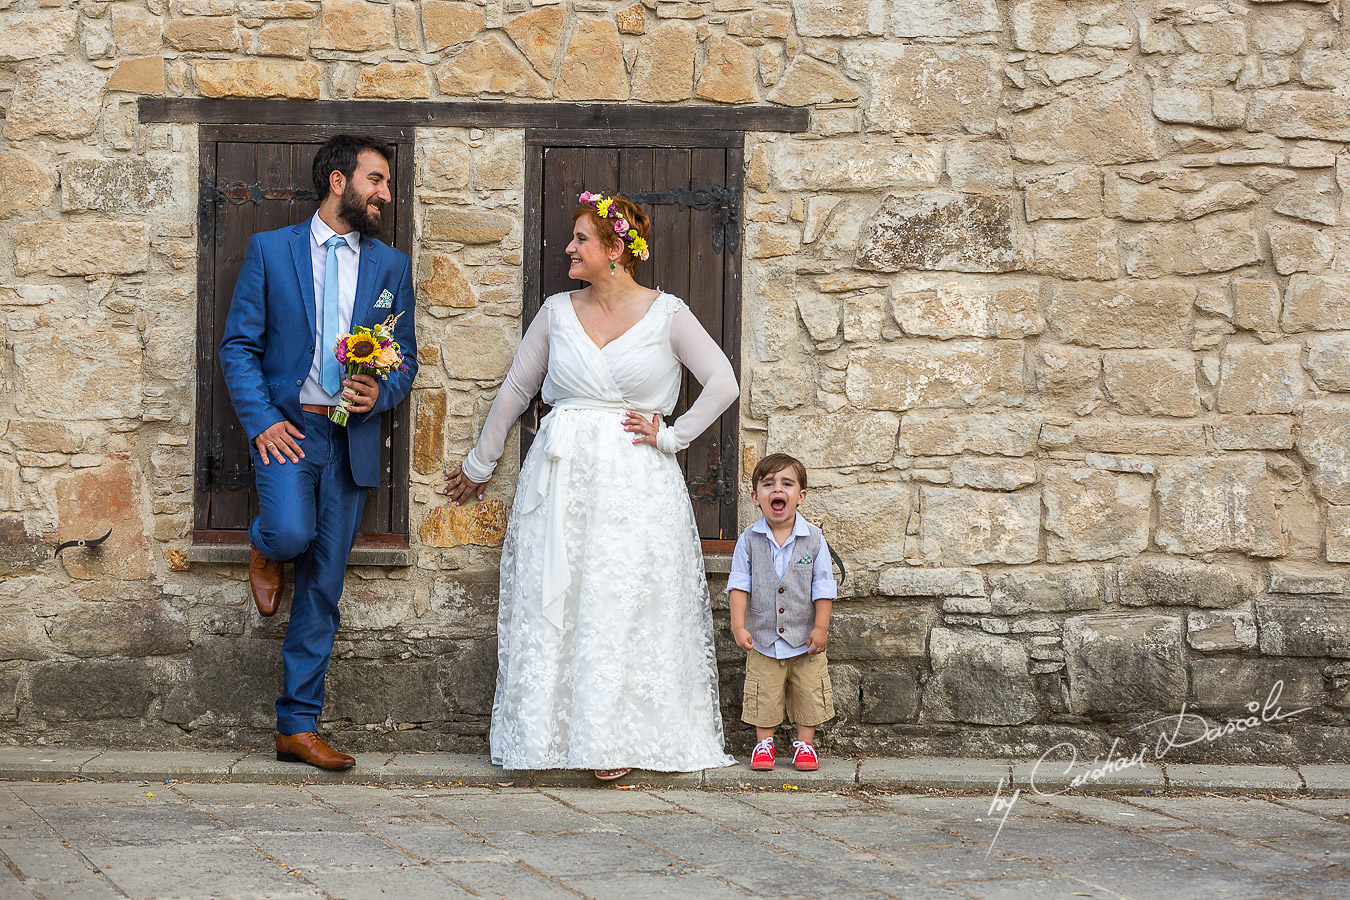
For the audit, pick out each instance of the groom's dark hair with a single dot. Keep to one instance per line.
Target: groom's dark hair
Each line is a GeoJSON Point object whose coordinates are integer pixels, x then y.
{"type": "Point", "coordinates": [339, 154]}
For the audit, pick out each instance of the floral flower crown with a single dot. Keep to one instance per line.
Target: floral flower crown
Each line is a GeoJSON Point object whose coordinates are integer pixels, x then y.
{"type": "Point", "coordinates": [603, 207]}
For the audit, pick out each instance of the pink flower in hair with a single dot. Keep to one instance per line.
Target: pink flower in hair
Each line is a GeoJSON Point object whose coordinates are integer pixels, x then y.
{"type": "Point", "coordinates": [621, 226]}
{"type": "Point", "coordinates": [588, 198]}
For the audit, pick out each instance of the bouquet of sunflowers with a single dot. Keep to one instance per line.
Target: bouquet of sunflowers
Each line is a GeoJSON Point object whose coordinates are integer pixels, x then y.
{"type": "Point", "coordinates": [367, 351]}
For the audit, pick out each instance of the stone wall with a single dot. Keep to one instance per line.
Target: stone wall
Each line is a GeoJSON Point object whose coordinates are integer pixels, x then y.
{"type": "Point", "coordinates": [1051, 298]}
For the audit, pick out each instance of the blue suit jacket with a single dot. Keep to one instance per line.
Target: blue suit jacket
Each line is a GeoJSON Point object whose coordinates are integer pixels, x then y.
{"type": "Point", "coordinates": [268, 345]}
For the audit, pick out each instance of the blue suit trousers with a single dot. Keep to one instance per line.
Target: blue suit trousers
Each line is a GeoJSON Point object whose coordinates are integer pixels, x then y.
{"type": "Point", "coordinates": [308, 512]}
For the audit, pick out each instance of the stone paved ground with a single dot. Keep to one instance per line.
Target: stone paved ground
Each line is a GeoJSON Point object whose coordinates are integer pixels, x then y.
{"type": "Point", "coordinates": [97, 840]}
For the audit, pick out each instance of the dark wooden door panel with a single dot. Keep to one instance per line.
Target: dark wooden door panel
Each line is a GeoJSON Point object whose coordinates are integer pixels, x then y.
{"type": "Point", "coordinates": [251, 183]}
{"type": "Point", "coordinates": [684, 262]}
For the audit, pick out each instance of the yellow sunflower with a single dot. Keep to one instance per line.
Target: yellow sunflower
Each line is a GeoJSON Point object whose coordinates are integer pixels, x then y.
{"type": "Point", "coordinates": [362, 349]}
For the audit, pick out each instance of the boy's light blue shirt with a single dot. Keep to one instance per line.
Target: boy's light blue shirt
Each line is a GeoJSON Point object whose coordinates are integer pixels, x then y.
{"type": "Point", "coordinates": [823, 586]}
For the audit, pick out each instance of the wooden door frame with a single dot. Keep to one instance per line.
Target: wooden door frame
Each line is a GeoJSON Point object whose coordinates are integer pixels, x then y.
{"type": "Point", "coordinates": [400, 448]}
{"type": "Point", "coordinates": [538, 139]}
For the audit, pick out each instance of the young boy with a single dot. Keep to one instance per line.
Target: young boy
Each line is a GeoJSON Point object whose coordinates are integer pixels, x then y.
{"type": "Point", "coordinates": [781, 590]}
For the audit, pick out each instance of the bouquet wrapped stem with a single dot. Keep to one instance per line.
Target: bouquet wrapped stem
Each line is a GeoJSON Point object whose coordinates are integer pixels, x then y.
{"type": "Point", "coordinates": [367, 351]}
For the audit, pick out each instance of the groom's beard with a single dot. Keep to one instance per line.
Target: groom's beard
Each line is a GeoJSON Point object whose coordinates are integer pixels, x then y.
{"type": "Point", "coordinates": [356, 211]}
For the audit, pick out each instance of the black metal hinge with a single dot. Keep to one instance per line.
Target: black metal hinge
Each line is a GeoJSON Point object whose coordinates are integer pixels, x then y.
{"type": "Point", "coordinates": [724, 201]}
{"type": "Point", "coordinates": [718, 486]}
{"type": "Point", "coordinates": [214, 195]}
{"type": "Point", "coordinates": [212, 474]}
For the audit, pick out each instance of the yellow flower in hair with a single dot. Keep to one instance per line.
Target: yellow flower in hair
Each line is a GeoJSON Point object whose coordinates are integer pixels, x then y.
{"type": "Point", "coordinates": [603, 207]}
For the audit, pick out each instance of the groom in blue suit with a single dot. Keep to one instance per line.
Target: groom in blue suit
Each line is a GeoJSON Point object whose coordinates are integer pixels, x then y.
{"type": "Point", "coordinates": [298, 289]}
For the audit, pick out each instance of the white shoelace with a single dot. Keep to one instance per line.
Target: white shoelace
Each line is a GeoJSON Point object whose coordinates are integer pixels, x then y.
{"type": "Point", "coordinates": [803, 747]}
{"type": "Point", "coordinates": [766, 744]}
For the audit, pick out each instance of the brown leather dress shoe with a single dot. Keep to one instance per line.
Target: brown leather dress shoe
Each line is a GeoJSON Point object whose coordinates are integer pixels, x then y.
{"type": "Point", "coordinates": [266, 580]}
{"type": "Point", "coordinates": [308, 747]}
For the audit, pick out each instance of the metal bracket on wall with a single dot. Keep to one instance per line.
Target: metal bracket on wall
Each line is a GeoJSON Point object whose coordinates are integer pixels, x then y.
{"type": "Point", "coordinates": [724, 201]}
{"type": "Point", "coordinates": [212, 474]}
{"type": "Point", "coordinates": [214, 196]}
{"type": "Point", "coordinates": [718, 486]}
{"type": "Point", "coordinates": [89, 543]}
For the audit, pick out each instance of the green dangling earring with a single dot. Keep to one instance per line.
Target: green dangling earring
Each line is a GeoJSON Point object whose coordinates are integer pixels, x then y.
{"type": "Point", "coordinates": [611, 268]}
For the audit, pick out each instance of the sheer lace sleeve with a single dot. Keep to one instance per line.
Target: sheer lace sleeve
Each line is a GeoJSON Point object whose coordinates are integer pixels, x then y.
{"type": "Point", "coordinates": [527, 372]}
{"type": "Point", "coordinates": [700, 354]}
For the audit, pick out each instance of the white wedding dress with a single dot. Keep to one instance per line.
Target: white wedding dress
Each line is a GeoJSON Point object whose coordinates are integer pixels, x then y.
{"type": "Point", "coordinates": [604, 630]}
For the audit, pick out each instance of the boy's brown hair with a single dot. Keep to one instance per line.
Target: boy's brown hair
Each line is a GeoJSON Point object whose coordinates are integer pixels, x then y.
{"type": "Point", "coordinates": [775, 463]}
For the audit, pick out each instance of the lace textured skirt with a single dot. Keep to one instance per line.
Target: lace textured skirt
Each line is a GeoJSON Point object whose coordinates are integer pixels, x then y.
{"type": "Point", "coordinates": [628, 676]}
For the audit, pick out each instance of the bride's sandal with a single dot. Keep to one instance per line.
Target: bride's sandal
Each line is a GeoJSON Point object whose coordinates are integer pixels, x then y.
{"type": "Point", "coordinates": [611, 774]}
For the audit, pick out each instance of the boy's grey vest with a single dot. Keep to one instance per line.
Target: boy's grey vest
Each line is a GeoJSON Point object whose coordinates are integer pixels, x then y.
{"type": "Point", "coordinates": [781, 608]}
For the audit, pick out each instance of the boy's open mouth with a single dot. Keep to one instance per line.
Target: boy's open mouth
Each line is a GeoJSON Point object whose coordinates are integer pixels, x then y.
{"type": "Point", "coordinates": [778, 504]}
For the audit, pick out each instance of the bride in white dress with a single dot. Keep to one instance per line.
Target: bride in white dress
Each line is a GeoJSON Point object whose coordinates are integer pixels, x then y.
{"type": "Point", "coordinates": [604, 629]}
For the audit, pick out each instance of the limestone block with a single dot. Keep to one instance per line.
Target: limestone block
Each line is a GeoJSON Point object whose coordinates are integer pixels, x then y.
{"type": "Point", "coordinates": [537, 34]}
{"type": "Point", "coordinates": [593, 64]}
{"type": "Point", "coordinates": [992, 433]}
{"type": "Point", "coordinates": [1076, 249]}
{"type": "Point", "coordinates": [940, 230]}
{"type": "Point", "coordinates": [1168, 581]}
{"type": "Point", "coordinates": [45, 437]}
{"type": "Point", "coordinates": [1253, 432]}
{"type": "Point", "coordinates": [94, 689]}
{"type": "Point", "coordinates": [920, 88]}
{"type": "Point", "coordinates": [1256, 305]}
{"type": "Point", "coordinates": [980, 166]}
{"type": "Point", "coordinates": [864, 318]}
{"type": "Point", "coordinates": [1124, 663]}
{"type": "Point", "coordinates": [203, 33]}
{"type": "Point", "coordinates": [782, 385]}
{"type": "Point", "coordinates": [139, 76]}
{"type": "Point", "coordinates": [888, 697]}
{"type": "Point", "coordinates": [942, 18]}
{"type": "Point", "coordinates": [1218, 504]}
{"type": "Point", "coordinates": [99, 371]}
{"type": "Point", "coordinates": [961, 306]}
{"type": "Point", "coordinates": [760, 23]}
{"type": "Point", "coordinates": [114, 185]}
{"type": "Point", "coordinates": [1299, 248]}
{"type": "Point", "coordinates": [1303, 627]}
{"type": "Point", "coordinates": [446, 23]}
{"type": "Point", "coordinates": [1316, 303]}
{"type": "Point", "coordinates": [820, 314]}
{"type": "Point", "coordinates": [393, 81]}
{"type": "Point", "coordinates": [856, 166]}
{"type": "Point", "coordinates": [499, 162]}
{"type": "Point", "coordinates": [257, 78]}
{"type": "Point", "coordinates": [21, 551]}
{"type": "Point", "coordinates": [1154, 314]}
{"type": "Point", "coordinates": [1075, 194]}
{"type": "Point", "coordinates": [664, 68]}
{"type": "Point", "coordinates": [429, 434]}
{"type": "Point", "coordinates": [1152, 382]}
{"type": "Point", "coordinates": [478, 349]}
{"type": "Point", "coordinates": [955, 373]}
{"type": "Point", "coordinates": [1329, 361]}
{"type": "Point", "coordinates": [138, 32]}
{"type": "Point", "coordinates": [277, 9]}
{"type": "Point", "coordinates": [1300, 114]}
{"type": "Point", "coordinates": [1338, 534]}
{"type": "Point", "coordinates": [91, 630]}
{"type": "Point", "coordinates": [35, 34]}
{"type": "Point", "coordinates": [1067, 376]}
{"type": "Point", "coordinates": [354, 25]}
{"type": "Point", "coordinates": [480, 524]}
{"type": "Point", "coordinates": [1302, 578]}
{"type": "Point", "coordinates": [630, 19]}
{"type": "Point", "coordinates": [88, 501]}
{"type": "Point", "coordinates": [728, 74]}
{"type": "Point", "coordinates": [832, 440]}
{"type": "Point", "coordinates": [839, 18]}
{"type": "Point", "coordinates": [1103, 124]}
{"type": "Point", "coordinates": [21, 632]}
{"type": "Point", "coordinates": [443, 161]}
{"type": "Point", "coordinates": [865, 523]}
{"type": "Point", "coordinates": [1260, 379]}
{"type": "Point", "coordinates": [993, 474]}
{"type": "Point", "coordinates": [1235, 688]}
{"type": "Point", "coordinates": [1132, 436]}
{"type": "Point", "coordinates": [887, 633]}
{"type": "Point", "coordinates": [978, 678]}
{"type": "Point", "coordinates": [1324, 443]}
{"type": "Point", "coordinates": [29, 183]}
{"type": "Point", "coordinates": [489, 65]}
{"type": "Point", "coordinates": [228, 678]}
{"type": "Point", "coordinates": [971, 528]}
{"type": "Point", "coordinates": [1214, 109]}
{"type": "Point", "coordinates": [60, 100]}
{"type": "Point", "coordinates": [1214, 244]}
{"type": "Point", "coordinates": [910, 581]}
{"type": "Point", "coordinates": [1313, 202]}
{"type": "Point", "coordinates": [284, 39]}
{"type": "Point", "coordinates": [465, 225]}
{"type": "Point", "coordinates": [1090, 514]}
{"type": "Point", "coordinates": [766, 240]}
{"type": "Point", "coordinates": [808, 82]}
{"type": "Point", "coordinates": [1060, 589]}
{"type": "Point", "coordinates": [83, 248]}
{"type": "Point", "coordinates": [1221, 630]}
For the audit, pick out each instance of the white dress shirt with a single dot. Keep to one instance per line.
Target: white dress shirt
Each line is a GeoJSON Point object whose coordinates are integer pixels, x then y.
{"type": "Point", "coordinates": [823, 586]}
{"type": "Point", "coordinates": [349, 261]}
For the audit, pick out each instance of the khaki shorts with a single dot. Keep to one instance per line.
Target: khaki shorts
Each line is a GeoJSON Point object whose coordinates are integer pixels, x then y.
{"type": "Point", "coordinates": [799, 687]}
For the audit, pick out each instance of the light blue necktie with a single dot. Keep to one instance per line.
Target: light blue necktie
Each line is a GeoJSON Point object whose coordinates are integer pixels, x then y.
{"type": "Point", "coordinates": [330, 370]}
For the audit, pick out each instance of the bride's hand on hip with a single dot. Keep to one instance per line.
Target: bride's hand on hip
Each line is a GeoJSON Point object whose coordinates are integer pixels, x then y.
{"type": "Point", "coordinates": [459, 488]}
{"type": "Point", "coordinates": [645, 431]}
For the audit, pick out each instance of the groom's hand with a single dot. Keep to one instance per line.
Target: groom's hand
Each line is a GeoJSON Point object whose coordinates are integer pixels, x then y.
{"type": "Point", "coordinates": [363, 391]}
{"type": "Point", "coordinates": [281, 438]}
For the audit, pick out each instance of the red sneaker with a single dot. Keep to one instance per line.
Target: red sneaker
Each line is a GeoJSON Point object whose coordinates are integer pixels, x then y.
{"type": "Point", "coordinates": [804, 757]}
{"type": "Point", "coordinates": [762, 759]}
